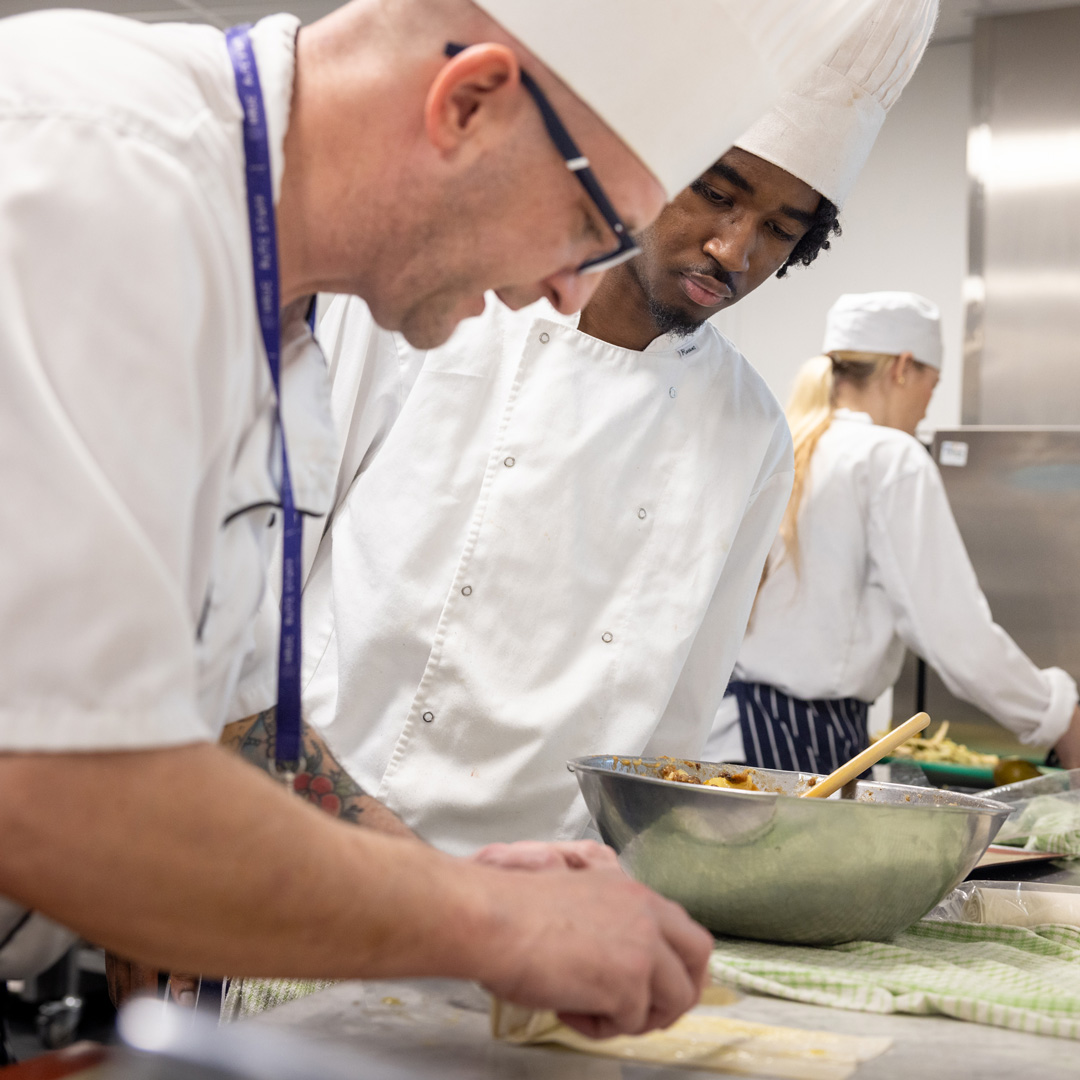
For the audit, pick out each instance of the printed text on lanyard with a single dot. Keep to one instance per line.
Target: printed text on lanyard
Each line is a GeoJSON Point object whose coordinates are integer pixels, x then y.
{"type": "Point", "coordinates": [260, 197]}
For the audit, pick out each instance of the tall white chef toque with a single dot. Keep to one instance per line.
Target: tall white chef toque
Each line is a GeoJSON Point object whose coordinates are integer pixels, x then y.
{"type": "Point", "coordinates": [885, 322]}
{"type": "Point", "coordinates": [823, 130]}
{"type": "Point", "coordinates": [677, 80]}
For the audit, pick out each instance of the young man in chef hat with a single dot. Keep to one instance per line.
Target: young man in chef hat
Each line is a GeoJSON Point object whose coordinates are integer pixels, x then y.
{"type": "Point", "coordinates": [418, 156]}
{"type": "Point", "coordinates": [552, 551]}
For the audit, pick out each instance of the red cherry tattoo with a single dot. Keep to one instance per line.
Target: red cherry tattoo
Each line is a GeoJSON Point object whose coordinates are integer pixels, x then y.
{"type": "Point", "coordinates": [322, 785]}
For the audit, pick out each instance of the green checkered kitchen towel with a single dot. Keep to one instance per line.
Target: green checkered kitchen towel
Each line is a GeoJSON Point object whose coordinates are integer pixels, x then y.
{"type": "Point", "coordinates": [247, 997]}
{"type": "Point", "coordinates": [1006, 976]}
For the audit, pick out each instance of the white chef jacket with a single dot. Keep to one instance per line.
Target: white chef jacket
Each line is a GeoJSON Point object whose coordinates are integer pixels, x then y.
{"type": "Point", "coordinates": [882, 566]}
{"type": "Point", "coordinates": [553, 554]}
{"type": "Point", "coordinates": [139, 453]}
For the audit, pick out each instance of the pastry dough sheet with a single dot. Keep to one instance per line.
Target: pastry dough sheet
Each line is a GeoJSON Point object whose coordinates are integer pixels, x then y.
{"type": "Point", "coordinates": [705, 1039]}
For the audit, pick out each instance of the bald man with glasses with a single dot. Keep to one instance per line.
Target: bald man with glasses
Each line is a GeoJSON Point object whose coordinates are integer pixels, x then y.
{"type": "Point", "coordinates": [187, 192]}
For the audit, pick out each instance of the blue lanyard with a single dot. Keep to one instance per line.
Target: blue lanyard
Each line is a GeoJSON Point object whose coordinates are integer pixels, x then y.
{"type": "Point", "coordinates": [260, 197]}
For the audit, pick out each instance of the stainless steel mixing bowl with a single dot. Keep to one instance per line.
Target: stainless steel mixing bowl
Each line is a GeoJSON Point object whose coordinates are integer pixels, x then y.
{"type": "Point", "coordinates": [768, 865]}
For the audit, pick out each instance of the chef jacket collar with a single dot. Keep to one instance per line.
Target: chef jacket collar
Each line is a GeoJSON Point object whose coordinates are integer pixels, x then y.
{"type": "Point", "coordinates": [305, 382]}
{"type": "Point", "coordinates": [851, 414]}
{"type": "Point", "coordinates": [664, 343]}
{"type": "Point", "coordinates": [274, 42]}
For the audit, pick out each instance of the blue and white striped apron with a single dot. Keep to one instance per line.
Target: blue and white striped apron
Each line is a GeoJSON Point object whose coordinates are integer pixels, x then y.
{"type": "Point", "coordinates": [783, 732]}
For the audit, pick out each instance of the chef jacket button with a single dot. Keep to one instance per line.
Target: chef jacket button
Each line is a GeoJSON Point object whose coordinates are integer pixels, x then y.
{"type": "Point", "coordinates": [466, 590]}
{"type": "Point", "coordinates": [508, 462]}
{"type": "Point", "coordinates": [672, 392]}
{"type": "Point", "coordinates": [428, 717]}
{"type": "Point", "coordinates": [605, 637]}
{"type": "Point", "coordinates": [545, 338]}
{"type": "Point", "coordinates": [641, 513]}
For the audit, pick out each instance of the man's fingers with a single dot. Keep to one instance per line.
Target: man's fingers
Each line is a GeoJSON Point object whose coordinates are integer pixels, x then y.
{"type": "Point", "coordinates": [609, 955]}
{"type": "Point", "coordinates": [184, 989]}
{"type": "Point", "coordinates": [692, 943]}
{"type": "Point", "coordinates": [524, 855]}
{"type": "Point", "coordinates": [579, 854]}
{"type": "Point", "coordinates": [593, 1027]}
{"type": "Point", "coordinates": [538, 855]}
{"type": "Point", "coordinates": [672, 991]}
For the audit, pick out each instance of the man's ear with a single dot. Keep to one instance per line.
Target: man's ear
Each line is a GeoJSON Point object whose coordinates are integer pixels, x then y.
{"type": "Point", "coordinates": [476, 85]}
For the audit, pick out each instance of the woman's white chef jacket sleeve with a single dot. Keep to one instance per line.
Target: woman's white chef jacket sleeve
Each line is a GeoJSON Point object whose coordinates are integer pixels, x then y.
{"type": "Point", "coordinates": [103, 316]}
{"type": "Point", "coordinates": [941, 613]}
{"type": "Point", "coordinates": [699, 692]}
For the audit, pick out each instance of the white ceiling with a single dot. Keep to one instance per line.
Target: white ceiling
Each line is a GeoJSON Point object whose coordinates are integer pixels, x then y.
{"type": "Point", "coordinates": [220, 12]}
{"type": "Point", "coordinates": [955, 22]}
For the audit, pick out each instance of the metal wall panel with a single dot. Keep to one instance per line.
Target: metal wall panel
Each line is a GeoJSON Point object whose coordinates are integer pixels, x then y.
{"type": "Point", "coordinates": [1017, 503]}
{"type": "Point", "coordinates": [1022, 356]}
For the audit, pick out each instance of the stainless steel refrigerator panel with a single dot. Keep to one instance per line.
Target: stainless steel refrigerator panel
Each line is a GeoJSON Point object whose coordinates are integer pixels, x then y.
{"type": "Point", "coordinates": [1022, 354]}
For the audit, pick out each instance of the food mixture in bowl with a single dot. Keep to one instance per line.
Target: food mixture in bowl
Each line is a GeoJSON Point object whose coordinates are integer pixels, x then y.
{"type": "Point", "coordinates": [743, 781]}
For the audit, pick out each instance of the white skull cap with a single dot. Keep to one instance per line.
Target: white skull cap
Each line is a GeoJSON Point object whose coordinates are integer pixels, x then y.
{"type": "Point", "coordinates": [885, 322]}
{"type": "Point", "coordinates": [823, 130]}
{"type": "Point", "coordinates": [677, 80]}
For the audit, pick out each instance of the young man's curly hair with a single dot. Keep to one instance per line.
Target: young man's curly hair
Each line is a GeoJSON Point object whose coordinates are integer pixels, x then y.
{"type": "Point", "coordinates": [826, 224]}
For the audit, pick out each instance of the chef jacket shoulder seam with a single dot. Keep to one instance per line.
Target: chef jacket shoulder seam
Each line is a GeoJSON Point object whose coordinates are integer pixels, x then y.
{"type": "Point", "coordinates": [122, 123]}
{"type": "Point", "coordinates": [912, 469]}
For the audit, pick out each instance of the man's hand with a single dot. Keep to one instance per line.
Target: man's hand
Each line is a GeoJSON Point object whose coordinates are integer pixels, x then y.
{"type": "Point", "coordinates": [610, 955]}
{"type": "Point", "coordinates": [1068, 746]}
{"type": "Point", "coordinates": [227, 873]}
{"type": "Point", "coordinates": [536, 855]}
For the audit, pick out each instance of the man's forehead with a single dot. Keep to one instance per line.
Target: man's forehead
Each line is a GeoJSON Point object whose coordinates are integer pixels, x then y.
{"type": "Point", "coordinates": [766, 181]}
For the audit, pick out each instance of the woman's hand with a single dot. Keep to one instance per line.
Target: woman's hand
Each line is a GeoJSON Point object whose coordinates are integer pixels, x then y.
{"type": "Point", "coordinates": [1068, 746]}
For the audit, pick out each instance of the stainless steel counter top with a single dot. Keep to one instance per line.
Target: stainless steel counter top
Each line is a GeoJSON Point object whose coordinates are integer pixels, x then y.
{"type": "Point", "coordinates": [439, 1030]}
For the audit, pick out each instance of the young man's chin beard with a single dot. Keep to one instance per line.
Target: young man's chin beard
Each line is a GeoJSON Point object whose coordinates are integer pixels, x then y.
{"type": "Point", "coordinates": [669, 319]}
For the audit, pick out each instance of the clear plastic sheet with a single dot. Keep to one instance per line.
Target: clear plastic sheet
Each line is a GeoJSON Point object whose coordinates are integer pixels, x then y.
{"type": "Point", "coordinates": [1010, 903]}
{"type": "Point", "coordinates": [1046, 813]}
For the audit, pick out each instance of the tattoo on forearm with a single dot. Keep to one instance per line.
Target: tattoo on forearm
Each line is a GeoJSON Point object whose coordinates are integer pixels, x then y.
{"type": "Point", "coordinates": [319, 777]}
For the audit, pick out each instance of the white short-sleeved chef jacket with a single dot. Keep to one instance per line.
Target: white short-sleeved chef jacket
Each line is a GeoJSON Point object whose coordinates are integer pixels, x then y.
{"type": "Point", "coordinates": [882, 566]}
{"type": "Point", "coordinates": [552, 553]}
{"type": "Point", "coordinates": [137, 438]}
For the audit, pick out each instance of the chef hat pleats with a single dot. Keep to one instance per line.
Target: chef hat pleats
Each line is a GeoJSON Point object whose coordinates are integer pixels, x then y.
{"type": "Point", "coordinates": [885, 322]}
{"type": "Point", "coordinates": [677, 80]}
{"type": "Point", "coordinates": [823, 130]}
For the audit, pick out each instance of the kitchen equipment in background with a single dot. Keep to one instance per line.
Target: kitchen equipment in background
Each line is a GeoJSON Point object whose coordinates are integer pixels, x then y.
{"type": "Point", "coordinates": [761, 864]}
{"type": "Point", "coordinates": [1015, 493]}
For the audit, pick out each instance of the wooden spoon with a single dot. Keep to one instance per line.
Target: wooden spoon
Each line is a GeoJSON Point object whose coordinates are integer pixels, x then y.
{"type": "Point", "coordinates": [870, 756]}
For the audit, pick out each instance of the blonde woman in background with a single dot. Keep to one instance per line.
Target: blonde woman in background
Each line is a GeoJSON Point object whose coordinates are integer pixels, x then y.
{"type": "Point", "coordinates": [869, 560]}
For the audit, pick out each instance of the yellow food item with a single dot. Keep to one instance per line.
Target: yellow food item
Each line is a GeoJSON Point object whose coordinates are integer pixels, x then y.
{"type": "Point", "coordinates": [943, 750]}
{"type": "Point", "coordinates": [741, 781]}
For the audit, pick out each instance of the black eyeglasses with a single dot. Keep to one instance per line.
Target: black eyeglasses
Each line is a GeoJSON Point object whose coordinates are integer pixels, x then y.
{"type": "Point", "coordinates": [578, 164]}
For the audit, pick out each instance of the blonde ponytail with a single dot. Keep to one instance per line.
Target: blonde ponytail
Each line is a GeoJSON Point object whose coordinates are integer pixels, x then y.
{"type": "Point", "coordinates": [810, 414]}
